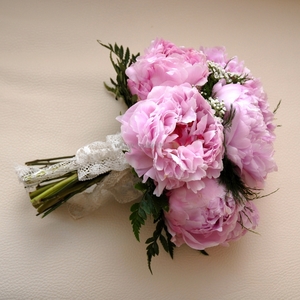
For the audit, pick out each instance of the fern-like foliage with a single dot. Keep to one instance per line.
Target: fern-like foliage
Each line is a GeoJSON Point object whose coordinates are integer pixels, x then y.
{"type": "Point", "coordinates": [161, 233]}
{"type": "Point", "coordinates": [123, 59]}
{"type": "Point", "coordinates": [232, 181]}
{"type": "Point", "coordinates": [153, 206]}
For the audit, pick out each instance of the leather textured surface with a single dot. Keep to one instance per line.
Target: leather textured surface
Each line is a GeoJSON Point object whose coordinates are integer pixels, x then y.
{"type": "Point", "coordinates": [53, 102]}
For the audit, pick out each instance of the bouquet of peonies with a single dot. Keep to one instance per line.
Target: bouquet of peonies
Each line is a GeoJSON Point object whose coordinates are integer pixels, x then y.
{"type": "Point", "coordinates": [195, 148]}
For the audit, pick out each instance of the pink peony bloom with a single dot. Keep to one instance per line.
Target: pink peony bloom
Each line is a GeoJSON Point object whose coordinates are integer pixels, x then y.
{"type": "Point", "coordinates": [174, 138]}
{"type": "Point", "coordinates": [249, 139]}
{"type": "Point", "coordinates": [219, 56]}
{"type": "Point", "coordinates": [207, 218]}
{"type": "Point", "coordinates": [248, 220]}
{"type": "Point", "coordinates": [168, 65]}
{"type": "Point", "coordinates": [257, 91]}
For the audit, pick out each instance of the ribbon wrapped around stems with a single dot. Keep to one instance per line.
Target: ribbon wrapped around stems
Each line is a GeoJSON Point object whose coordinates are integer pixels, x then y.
{"type": "Point", "coordinates": [97, 172]}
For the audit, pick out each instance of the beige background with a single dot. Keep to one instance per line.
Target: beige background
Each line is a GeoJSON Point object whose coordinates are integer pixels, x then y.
{"type": "Point", "coordinates": [53, 102]}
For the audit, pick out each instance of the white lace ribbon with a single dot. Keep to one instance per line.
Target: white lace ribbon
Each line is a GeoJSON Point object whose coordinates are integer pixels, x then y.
{"type": "Point", "coordinates": [90, 161]}
{"type": "Point", "coordinates": [100, 157]}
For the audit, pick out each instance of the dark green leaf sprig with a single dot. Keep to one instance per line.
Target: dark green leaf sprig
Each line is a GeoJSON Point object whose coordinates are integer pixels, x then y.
{"type": "Point", "coordinates": [234, 185]}
{"type": "Point", "coordinates": [152, 206]}
{"type": "Point", "coordinates": [123, 60]}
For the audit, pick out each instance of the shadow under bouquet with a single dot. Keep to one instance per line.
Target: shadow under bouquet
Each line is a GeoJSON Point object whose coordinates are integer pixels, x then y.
{"type": "Point", "coordinates": [194, 151]}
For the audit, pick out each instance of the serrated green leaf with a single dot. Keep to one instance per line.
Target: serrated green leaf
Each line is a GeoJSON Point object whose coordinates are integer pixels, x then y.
{"type": "Point", "coordinates": [136, 231]}
{"type": "Point", "coordinates": [137, 217]}
{"type": "Point", "coordinates": [134, 207]}
{"type": "Point", "coordinates": [171, 245]}
{"type": "Point", "coordinates": [120, 64]}
{"type": "Point", "coordinates": [149, 258]}
{"type": "Point", "coordinates": [116, 49]}
{"type": "Point", "coordinates": [110, 89]}
{"type": "Point", "coordinates": [113, 82]}
{"type": "Point", "coordinates": [127, 55]}
{"type": "Point", "coordinates": [142, 213]}
{"type": "Point", "coordinates": [150, 249]}
{"type": "Point", "coordinates": [121, 52]}
{"type": "Point", "coordinates": [146, 206]}
{"type": "Point", "coordinates": [160, 226]}
{"type": "Point", "coordinates": [155, 248]}
{"type": "Point", "coordinates": [112, 61]}
{"type": "Point", "coordinates": [164, 243]}
{"type": "Point", "coordinates": [140, 219]}
{"type": "Point", "coordinates": [149, 240]}
{"type": "Point", "coordinates": [171, 249]}
{"type": "Point", "coordinates": [106, 46]}
{"type": "Point", "coordinates": [136, 225]}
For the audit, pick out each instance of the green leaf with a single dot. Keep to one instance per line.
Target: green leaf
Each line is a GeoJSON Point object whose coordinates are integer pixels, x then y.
{"type": "Point", "coordinates": [233, 183]}
{"type": "Point", "coordinates": [171, 245]}
{"type": "Point", "coordinates": [164, 242]}
{"type": "Point", "coordinates": [110, 89]}
{"type": "Point", "coordinates": [120, 64]}
{"type": "Point", "coordinates": [149, 240]}
{"type": "Point", "coordinates": [138, 218]}
{"type": "Point", "coordinates": [142, 213]}
{"type": "Point", "coordinates": [141, 186]}
{"type": "Point", "coordinates": [203, 252]}
{"type": "Point", "coordinates": [136, 225]}
{"type": "Point", "coordinates": [149, 258]}
{"type": "Point", "coordinates": [154, 206]}
{"type": "Point", "coordinates": [121, 52]}
{"type": "Point", "coordinates": [134, 207]}
{"type": "Point", "coordinates": [146, 206]}
{"type": "Point", "coordinates": [127, 55]}
{"type": "Point", "coordinates": [153, 248]}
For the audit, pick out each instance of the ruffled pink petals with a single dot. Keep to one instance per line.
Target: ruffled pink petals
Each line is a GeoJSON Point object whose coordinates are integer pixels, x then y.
{"type": "Point", "coordinates": [249, 140]}
{"type": "Point", "coordinates": [175, 133]}
{"type": "Point", "coordinates": [165, 64]}
{"type": "Point", "coordinates": [207, 218]}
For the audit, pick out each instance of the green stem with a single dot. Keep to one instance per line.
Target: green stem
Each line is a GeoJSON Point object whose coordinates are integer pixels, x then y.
{"type": "Point", "coordinates": [47, 161]}
{"type": "Point", "coordinates": [40, 190]}
{"type": "Point", "coordinates": [49, 204]}
{"type": "Point", "coordinates": [36, 201]}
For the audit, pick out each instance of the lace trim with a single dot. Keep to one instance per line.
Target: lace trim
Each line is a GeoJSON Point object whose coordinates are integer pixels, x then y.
{"type": "Point", "coordinates": [90, 161]}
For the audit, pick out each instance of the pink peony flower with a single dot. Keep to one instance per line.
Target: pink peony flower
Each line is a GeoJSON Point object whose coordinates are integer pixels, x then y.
{"type": "Point", "coordinates": [174, 138]}
{"type": "Point", "coordinates": [207, 218]}
{"type": "Point", "coordinates": [215, 54]}
{"type": "Point", "coordinates": [256, 90]}
{"type": "Point", "coordinates": [249, 139]}
{"type": "Point", "coordinates": [220, 57]}
{"type": "Point", "coordinates": [248, 220]}
{"type": "Point", "coordinates": [166, 64]}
